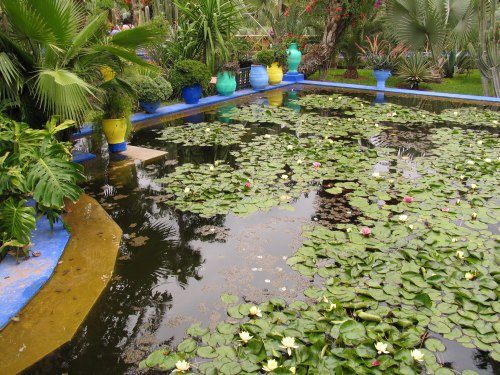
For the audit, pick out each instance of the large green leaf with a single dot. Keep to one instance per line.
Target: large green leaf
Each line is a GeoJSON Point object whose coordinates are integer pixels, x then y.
{"type": "Point", "coordinates": [16, 221]}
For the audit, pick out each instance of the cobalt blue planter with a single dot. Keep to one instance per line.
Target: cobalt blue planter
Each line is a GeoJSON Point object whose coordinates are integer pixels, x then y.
{"type": "Point", "coordinates": [258, 77]}
{"type": "Point", "coordinates": [191, 94]}
{"type": "Point", "coordinates": [381, 76]}
{"type": "Point", "coordinates": [150, 107]}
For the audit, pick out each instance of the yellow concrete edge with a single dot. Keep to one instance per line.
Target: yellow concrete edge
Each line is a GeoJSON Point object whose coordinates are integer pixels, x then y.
{"type": "Point", "coordinates": [53, 316]}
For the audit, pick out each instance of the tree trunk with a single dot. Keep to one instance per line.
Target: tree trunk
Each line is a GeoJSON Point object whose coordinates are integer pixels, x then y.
{"type": "Point", "coordinates": [320, 54]}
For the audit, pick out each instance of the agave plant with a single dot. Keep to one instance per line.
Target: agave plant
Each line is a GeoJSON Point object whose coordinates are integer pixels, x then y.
{"type": "Point", "coordinates": [52, 52]}
{"type": "Point", "coordinates": [34, 164]}
{"type": "Point", "coordinates": [211, 24]}
{"type": "Point", "coordinates": [380, 54]}
{"type": "Point", "coordinates": [414, 69]}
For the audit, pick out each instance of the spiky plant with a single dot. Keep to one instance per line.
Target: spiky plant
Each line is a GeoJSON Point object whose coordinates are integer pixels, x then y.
{"type": "Point", "coordinates": [415, 69]}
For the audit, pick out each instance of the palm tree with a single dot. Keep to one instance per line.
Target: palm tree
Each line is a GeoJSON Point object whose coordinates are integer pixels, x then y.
{"type": "Point", "coordinates": [52, 52]}
{"type": "Point", "coordinates": [437, 25]}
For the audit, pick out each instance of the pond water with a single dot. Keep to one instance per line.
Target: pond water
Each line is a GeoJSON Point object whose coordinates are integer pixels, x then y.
{"type": "Point", "coordinates": [174, 264]}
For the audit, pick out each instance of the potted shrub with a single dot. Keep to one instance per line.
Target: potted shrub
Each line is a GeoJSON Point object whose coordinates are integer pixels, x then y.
{"type": "Point", "coordinates": [151, 92]}
{"type": "Point", "coordinates": [226, 78]}
{"type": "Point", "coordinates": [191, 77]}
{"type": "Point", "coordinates": [258, 72]}
{"type": "Point", "coordinates": [382, 57]}
{"type": "Point", "coordinates": [117, 108]}
{"type": "Point", "coordinates": [275, 70]}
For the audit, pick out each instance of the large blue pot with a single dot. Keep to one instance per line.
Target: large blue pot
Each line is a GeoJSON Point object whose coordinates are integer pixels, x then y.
{"type": "Point", "coordinates": [258, 77]}
{"type": "Point", "coordinates": [192, 94]}
{"type": "Point", "coordinates": [381, 76]}
{"type": "Point", "coordinates": [150, 107]}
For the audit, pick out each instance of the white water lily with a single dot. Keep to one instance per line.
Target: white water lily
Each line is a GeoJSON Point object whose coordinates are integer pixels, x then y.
{"type": "Point", "coordinates": [288, 343]}
{"type": "Point", "coordinates": [289, 147]}
{"type": "Point", "coordinates": [469, 276]}
{"type": "Point", "coordinates": [458, 201]}
{"type": "Point", "coordinates": [417, 355]}
{"type": "Point", "coordinates": [270, 366]}
{"type": "Point", "coordinates": [376, 125]}
{"type": "Point", "coordinates": [329, 123]}
{"type": "Point", "coordinates": [207, 130]}
{"type": "Point", "coordinates": [187, 190]}
{"type": "Point", "coordinates": [381, 348]}
{"type": "Point", "coordinates": [285, 197]}
{"type": "Point", "coordinates": [479, 143]}
{"type": "Point", "coordinates": [487, 160]}
{"type": "Point", "coordinates": [299, 161]}
{"type": "Point", "coordinates": [459, 254]}
{"type": "Point", "coordinates": [182, 366]}
{"type": "Point", "coordinates": [211, 167]}
{"type": "Point", "coordinates": [470, 162]}
{"type": "Point", "coordinates": [348, 230]}
{"type": "Point", "coordinates": [255, 311]}
{"type": "Point", "coordinates": [376, 174]}
{"type": "Point", "coordinates": [455, 113]}
{"type": "Point", "coordinates": [462, 176]}
{"type": "Point", "coordinates": [403, 217]}
{"type": "Point", "coordinates": [330, 99]}
{"type": "Point", "coordinates": [245, 336]}
{"type": "Point", "coordinates": [474, 215]}
{"type": "Point", "coordinates": [284, 177]}
{"type": "Point", "coordinates": [410, 226]}
{"type": "Point", "coordinates": [453, 240]}
{"type": "Point", "coordinates": [394, 114]}
{"type": "Point", "coordinates": [473, 186]}
{"type": "Point", "coordinates": [267, 136]}
{"type": "Point", "coordinates": [495, 122]}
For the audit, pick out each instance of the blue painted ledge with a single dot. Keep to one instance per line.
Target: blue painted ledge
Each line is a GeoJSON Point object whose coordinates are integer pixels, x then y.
{"type": "Point", "coordinates": [85, 129]}
{"type": "Point", "coordinates": [20, 282]}
{"type": "Point", "coordinates": [209, 100]}
{"type": "Point", "coordinates": [403, 91]}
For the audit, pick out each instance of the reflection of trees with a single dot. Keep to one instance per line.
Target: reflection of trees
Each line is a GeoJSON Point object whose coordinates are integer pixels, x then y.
{"type": "Point", "coordinates": [483, 360]}
{"type": "Point", "coordinates": [333, 209]}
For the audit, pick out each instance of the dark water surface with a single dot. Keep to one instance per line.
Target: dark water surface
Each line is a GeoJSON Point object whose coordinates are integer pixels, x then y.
{"type": "Point", "coordinates": [173, 266]}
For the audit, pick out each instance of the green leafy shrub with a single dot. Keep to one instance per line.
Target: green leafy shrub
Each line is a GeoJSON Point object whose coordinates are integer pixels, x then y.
{"type": "Point", "coordinates": [415, 69]}
{"type": "Point", "coordinates": [34, 164]}
{"type": "Point", "coordinates": [265, 57]}
{"type": "Point", "coordinates": [117, 100]}
{"type": "Point", "coordinates": [231, 67]}
{"type": "Point", "coordinates": [188, 73]}
{"type": "Point", "coordinates": [152, 90]}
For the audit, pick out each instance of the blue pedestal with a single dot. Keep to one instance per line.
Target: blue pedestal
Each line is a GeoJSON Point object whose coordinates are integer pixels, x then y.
{"type": "Point", "coordinates": [80, 157]}
{"type": "Point", "coordinates": [117, 147]}
{"type": "Point", "coordinates": [86, 129]}
{"type": "Point", "coordinates": [293, 77]}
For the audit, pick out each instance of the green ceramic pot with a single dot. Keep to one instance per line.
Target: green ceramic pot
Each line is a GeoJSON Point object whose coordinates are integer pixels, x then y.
{"type": "Point", "coordinates": [226, 84]}
{"type": "Point", "coordinates": [294, 57]}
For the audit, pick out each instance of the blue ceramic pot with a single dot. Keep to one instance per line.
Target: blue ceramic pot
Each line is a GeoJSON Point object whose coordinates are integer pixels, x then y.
{"type": "Point", "coordinates": [150, 107]}
{"type": "Point", "coordinates": [258, 77]}
{"type": "Point", "coordinates": [192, 94]}
{"type": "Point", "coordinates": [381, 77]}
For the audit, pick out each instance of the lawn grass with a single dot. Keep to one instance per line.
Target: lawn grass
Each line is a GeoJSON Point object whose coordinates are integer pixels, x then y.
{"type": "Point", "coordinates": [459, 84]}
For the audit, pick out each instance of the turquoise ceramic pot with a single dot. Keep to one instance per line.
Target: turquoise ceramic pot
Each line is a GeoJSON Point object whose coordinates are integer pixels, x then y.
{"type": "Point", "coordinates": [226, 84]}
{"type": "Point", "coordinates": [258, 77]}
{"type": "Point", "coordinates": [294, 57]}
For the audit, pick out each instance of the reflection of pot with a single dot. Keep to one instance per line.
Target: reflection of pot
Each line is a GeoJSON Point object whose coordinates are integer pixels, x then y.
{"type": "Point", "coordinates": [226, 83]}
{"type": "Point", "coordinates": [379, 98]}
{"type": "Point", "coordinates": [275, 99]}
{"type": "Point", "coordinates": [192, 94]}
{"type": "Point", "coordinates": [381, 76]}
{"type": "Point", "coordinates": [275, 73]}
{"type": "Point", "coordinates": [258, 77]}
{"type": "Point", "coordinates": [223, 113]}
{"type": "Point", "coordinates": [291, 101]}
{"type": "Point", "coordinates": [107, 73]}
{"type": "Point", "coordinates": [195, 119]}
{"type": "Point", "coordinates": [115, 130]}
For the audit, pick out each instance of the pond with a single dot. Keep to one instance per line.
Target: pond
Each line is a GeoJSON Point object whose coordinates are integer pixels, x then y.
{"type": "Point", "coordinates": [390, 210]}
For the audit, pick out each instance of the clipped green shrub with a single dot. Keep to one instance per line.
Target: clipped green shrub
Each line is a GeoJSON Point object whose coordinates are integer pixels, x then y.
{"type": "Point", "coordinates": [264, 57]}
{"type": "Point", "coordinates": [188, 73]}
{"type": "Point", "coordinates": [152, 90]}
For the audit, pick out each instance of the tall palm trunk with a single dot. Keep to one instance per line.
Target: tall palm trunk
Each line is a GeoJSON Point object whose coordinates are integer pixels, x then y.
{"type": "Point", "coordinates": [320, 55]}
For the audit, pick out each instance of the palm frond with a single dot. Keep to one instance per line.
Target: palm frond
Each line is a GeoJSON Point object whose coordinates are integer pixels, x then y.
{"type": "Point", "coordinates": [85, 35]}
{"type": "Point", "coordinates": [137, 37]}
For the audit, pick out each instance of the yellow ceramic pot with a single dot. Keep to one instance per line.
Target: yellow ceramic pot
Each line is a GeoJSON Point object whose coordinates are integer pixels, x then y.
{"type": "Point", "coordinates": [275, 73]}
{"type": "Point", "coordinates": [107, 73]}
{"type": "Point", "coordinates": [115, 130]}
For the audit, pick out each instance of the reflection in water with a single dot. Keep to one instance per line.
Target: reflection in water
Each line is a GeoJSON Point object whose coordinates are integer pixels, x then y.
{"type": "Point", "coordinates": [379, 98]}
{"type": "Point", "coordinates": [171, 270]}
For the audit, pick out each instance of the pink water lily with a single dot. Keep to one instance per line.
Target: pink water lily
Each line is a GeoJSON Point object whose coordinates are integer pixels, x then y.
{"type": "Point", "coordinates": [316, 164]}
{"type": "Point", "coordinates": [445, 209]}
{"type": "Point", "coordinates": [248, 185]}
{"type": "Point", "coordinates": [408, 199]}
{"type": "Point", "coordinates": [365, 231]}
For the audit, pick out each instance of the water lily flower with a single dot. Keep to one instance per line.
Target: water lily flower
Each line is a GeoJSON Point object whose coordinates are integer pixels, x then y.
{"type": "Point", "coordinates": [211, 167]}
{"type": "Point", "coordinates": [391, 181]}
{"type": "Point", "coordinates": [381, 347]}
{"type": "Point", "coordinates": [375, 363]}
{"type": "Point", "coordinates": [458, 201]}
{"type": "Point", "coordinates": [473, 186]}
{"type": "Point", "coordinates": [255, 311]}
{"type": "Point", "coordinates": [470, 162]}
{"type": "Point", "coordinates": [248, 185]}
{"type": "Point", "coordinates": [329, 123]}
{"type": "Point", "coordinates": [330, 99]}
{"type": "Point", "coordinates": [288, 343]}
{"type": "Point", "coordinates": [289, 147]}
{"type": "Point", "coordinates": [348, 230]}
{"type": "Point", "coordinates": [284, 177]}
{"type": "Point", "coordinates": [403, 217]}
{"type": "Point", "coordinates": [453, 240]}
{"type": "Point", "coordinates": [376, 174]}
{"type": "Point", "coordinates": [462, 177]}
{"type": "Point", "coordinates": [469, 276]}
{"type": "Point", "coordinates": [376, 125]}
{"type": "Point", "coordinates": [207, 130]}
{"type": "Point", "coordinates": [417, 355]}
{"type": "Point", "coordinates": [410, 226]}
{"type": "Point", "coordinates": [285, 197]}
{"type": "Point", "coordinates": [473, 216]}
{"type": "Point", "coordinates": [487, 160]}
{"type": "Point", "coordinates": [455, 113]}
{"type": "Point", "coordinates": [495, 122]}
{"type": "Point", "coordinates": [245, 336]}
{"type": "Point", "coordinates": [267, 136]}
{"type": "Point", "coordinates": [299, 161]}
{"type": "Point", "coordinates": [270, 366]}
{"type": "Point", "coordinates": [187, 190]}
{"type": "Point", "coordinates": [182, 366]}
{"type": "Point", "coordinates": [330, 141]}
{"type": "Point", "coordinates": [459, 254]}
{"type": "Point", "coordinates": [445, 209]}
{"type": "Point", "coordinates": [479, 143]}
{"type": "Point", "coordinates": [394, 114]}
{"type": "Point", "coordinates": [408, 199]}
{"type": "Point", "coordinates": [365, 231]}
{"type": "Point", "coordinates": [316, 164]}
